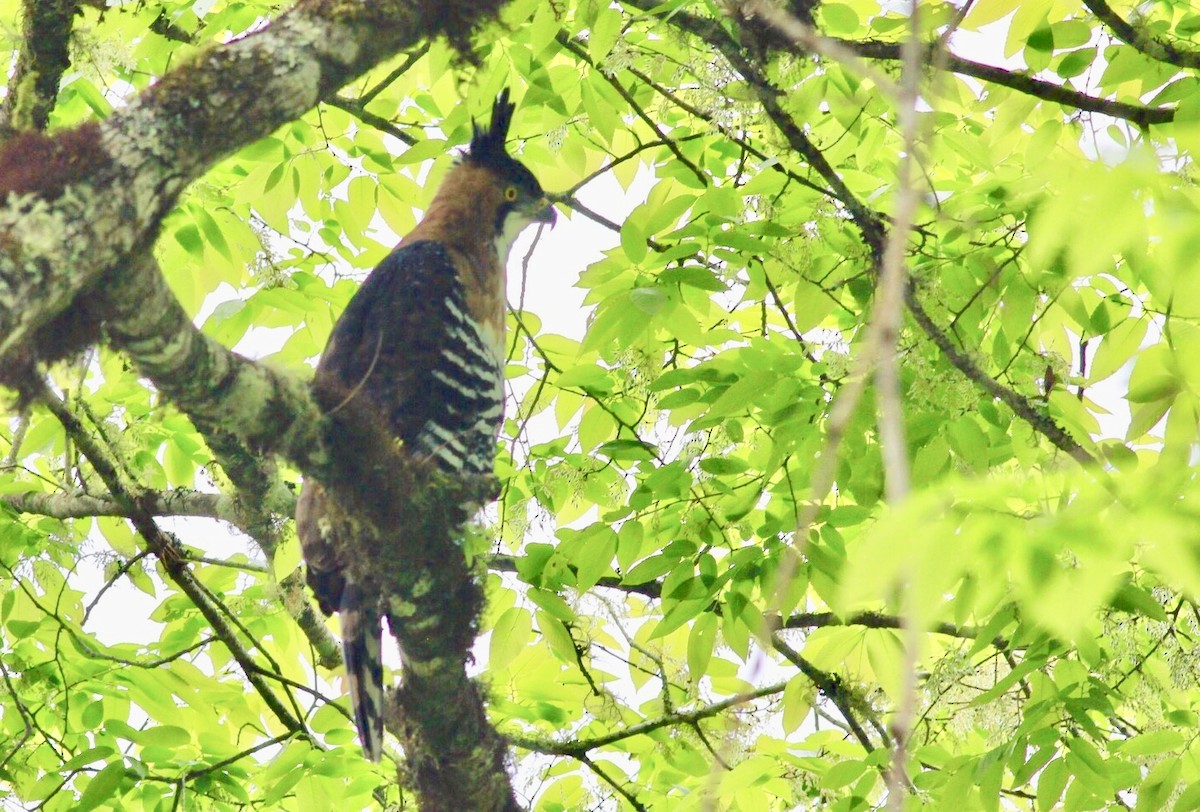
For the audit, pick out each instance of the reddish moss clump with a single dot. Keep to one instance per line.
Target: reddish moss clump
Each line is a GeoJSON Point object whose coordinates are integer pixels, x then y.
{"type": "Point", "coordinates": [34, 162]}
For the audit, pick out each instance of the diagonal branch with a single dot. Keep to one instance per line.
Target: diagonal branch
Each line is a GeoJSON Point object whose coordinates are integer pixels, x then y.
{"type": "Point", "coordinates": [574, 47]}
{"type": "Point", "coordinates": [869, 222]}
{"type": "Point", "coordinates": [243, 408]}
{"type": "Point", "coordinates": [1021, 82]}
{"type": "Point", "coordinates": [166, 548]}
{"type": "Point", "coordinates": [831, 686]}
{"type": "Point", "coordinates": [1021, 406]}
{"type": "Point", "coordinates": [579, 747]}
{"type": "Point", "coordinates": [185, 502]}
{"type": "Point", "coordinates": [1142, 39]}
{"type": "Point", "coordinates": [89, 199]}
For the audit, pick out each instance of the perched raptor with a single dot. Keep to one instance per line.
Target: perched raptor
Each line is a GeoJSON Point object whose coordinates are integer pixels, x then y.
{"type": "Point", "coordinates": [422, 342]}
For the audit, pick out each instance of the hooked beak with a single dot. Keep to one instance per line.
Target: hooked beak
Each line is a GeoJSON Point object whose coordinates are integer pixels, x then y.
{"type": "Point", "coordinates": [546, 214]}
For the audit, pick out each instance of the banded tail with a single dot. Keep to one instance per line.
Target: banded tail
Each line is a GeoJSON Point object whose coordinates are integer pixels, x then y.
{"type": "Point", "coordinates": [361, 644]}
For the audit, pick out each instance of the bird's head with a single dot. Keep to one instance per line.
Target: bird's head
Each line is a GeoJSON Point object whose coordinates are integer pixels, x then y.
{"type": "Point", "coordinates": [521, 200]}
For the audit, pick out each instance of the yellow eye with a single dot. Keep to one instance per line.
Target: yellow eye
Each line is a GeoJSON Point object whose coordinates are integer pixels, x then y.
{"type": "Point", "coordinates": [510, 194]}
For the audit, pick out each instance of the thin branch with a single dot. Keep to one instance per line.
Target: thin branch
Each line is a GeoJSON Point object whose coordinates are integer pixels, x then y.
{"type": "Point", "coordinates": [829, 685]}
{"type": "Point", "coordinates": [612, 782]}
{"type": "Point", "coordinates": [581, 746]}
{"type": "Point", "coordinates": [18, 439]}
{"type": "Point", "coordinates": [770, 162]}
{"type": "Point", "coordinates": [670, 143]}
{"type": "Point", "coordinates": [166, 549]}
{"type": "Point", "coordinates": [358, 109]}
{"type": "Point", "coordinates": [1142, 39]}
{"type": "Point", "coordinates": [887, 318]}
{"type": "Point", "coordinates": [1020, 405]}
{"type": "Point", "coordinates": [712, 32]}
{"type": "Point", "coordinates": [411, 59]}
{"type": "Point", "coordinates": [650, 589]}
{"type": "Point", "coordinates": [807, 37]}
{"type": "Point", "coordinates": [125, 567]}
{"type": "Point", "coordinates": [1022, 83]}
{"type": "Point", "coordinates": [26, 717]}
{"type": "Point", "coordinates": [199, 772]}
{"type": "Point", "coordinates": [617, 160]}
{"type": "Point", "coordinates": [876, 620]}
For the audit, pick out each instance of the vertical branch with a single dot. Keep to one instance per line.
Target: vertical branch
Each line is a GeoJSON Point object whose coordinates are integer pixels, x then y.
{"type": "Point", "coordinates": [886, 320]}
{"type": "Point", "coordinates": [44, 56]}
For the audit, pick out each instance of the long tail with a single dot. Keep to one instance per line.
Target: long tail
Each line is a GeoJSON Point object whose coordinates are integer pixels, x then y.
{"type": "Point", "coordinates": [361, 643]}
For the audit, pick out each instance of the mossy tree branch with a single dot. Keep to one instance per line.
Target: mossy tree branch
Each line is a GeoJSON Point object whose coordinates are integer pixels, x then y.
{"type": "Point", "coordinates": [44, 56]}
{"type": "Point", "coordinates": [90, 200]}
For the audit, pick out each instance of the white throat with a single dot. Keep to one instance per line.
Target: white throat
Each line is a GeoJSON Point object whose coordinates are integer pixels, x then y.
{"type": "Point", "coordinates": [514, 224]}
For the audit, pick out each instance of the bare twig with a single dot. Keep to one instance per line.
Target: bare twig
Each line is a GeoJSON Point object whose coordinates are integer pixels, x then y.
{"type": "Point", "coordinates": [1143, 39]}
{"type": "Point", "coordinates": [807, 37]}
{"type": "Point", "coordinates": [669, 142]}
{"type": "Point", "coordinates": [578, 747]}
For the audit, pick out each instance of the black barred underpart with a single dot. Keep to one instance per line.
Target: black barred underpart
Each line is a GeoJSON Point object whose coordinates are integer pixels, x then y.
{"type": "Point", "coordinates": [408, 346]}
{"type": "Point", "coordinates": [466, 380]}
{"type": "Point", "coordinates": [408, 343]}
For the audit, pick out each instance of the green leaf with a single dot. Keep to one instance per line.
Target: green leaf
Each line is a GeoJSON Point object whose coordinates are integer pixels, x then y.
{"type": "Point", "coordinates": [1117, 347]}
{"type": "Point", "coordinates": [1132, 598]}
{"type": "Point", "coordinates": [701, 278]}
{"type": "Point", "coordinates": [587, 377]}
{"type": "Point", "coordinates": [810, 305]}
{"type": "Point", "coordinates": [1152, 743]}
{"type": "Point", "coordinates": [702, 639]}
{"type": "Point", "coordinates": [1154, 375]}
{"type": "Point", "coordinates": [557, 636]}
{"type": "Point", "coordinates": [510, 636]}
{"type": "Point", "coordinates": [797, 704]}
{"type": "Point", "coordinates": [633, 242]}
{"type": "Point", "coordinates": [604, 33]}
{"type": "Point", "coordinates": [188, 235]}
{"type": "Point", "coordinates": [723, 466]}
{"type": "Point", "coordinates": [1051, 783]}
{"type": "Point", "coordinates": [843, 773]}
{"type": "Point", "coordinates": [102, 786]}
{"type": "Point", "coordinates": [594, 559]}
{"type": "Point", "coordinates": [838, 19]}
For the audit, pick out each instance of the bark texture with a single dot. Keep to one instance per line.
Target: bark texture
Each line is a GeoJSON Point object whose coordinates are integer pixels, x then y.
{"type": "Point", "coordinates": [79, 213]}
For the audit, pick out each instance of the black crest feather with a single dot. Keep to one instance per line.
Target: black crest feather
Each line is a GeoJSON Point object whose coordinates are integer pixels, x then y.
{"type": "Point", "coordinates": [487, 145]}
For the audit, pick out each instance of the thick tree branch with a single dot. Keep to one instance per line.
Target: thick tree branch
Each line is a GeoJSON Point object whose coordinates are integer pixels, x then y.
{"type": "Point", "coordinates": [44, 56]}
{"type": "Point", "coordinates": [78, 505]}
{"type": "Point", "coordinates": [90, 199]}
{"type": "Point", "coordinates": [243, 408]}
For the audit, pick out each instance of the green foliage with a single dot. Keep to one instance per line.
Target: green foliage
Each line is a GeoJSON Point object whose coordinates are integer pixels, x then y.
{"type": "Point", "coordinates": [657, 463]}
